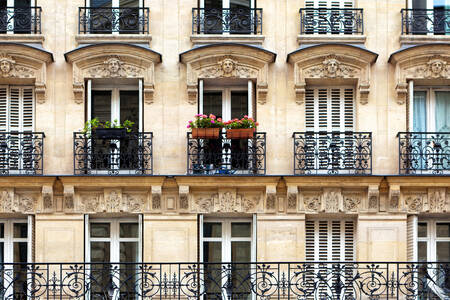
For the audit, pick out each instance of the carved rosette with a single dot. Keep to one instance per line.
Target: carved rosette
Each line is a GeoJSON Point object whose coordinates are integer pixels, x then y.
{"type": "Point", "coordinates": [24, 64]}
{"type": "Point", "coordinates": [348, 64]}
{"type": "Point", "coordinates": [427, 63]}
{"type": "Point", "coordinates": [236, 62]}
{"type": "Point", "coordinates": [113, 61]}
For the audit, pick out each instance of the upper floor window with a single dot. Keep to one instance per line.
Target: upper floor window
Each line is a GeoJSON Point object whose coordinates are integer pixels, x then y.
{"type": "Point", "coordinates": [431, 110]}
{"type": "Point", "coordinates": [426, 17]}
{"type": "Point", "coordinates": [227, 16]}
{"type": "Point", "coordinates": [19, 16]}
{"type": "Point", "coordinates": [113, 16]}
{"type": "Point", "coordinates": [331, 16]}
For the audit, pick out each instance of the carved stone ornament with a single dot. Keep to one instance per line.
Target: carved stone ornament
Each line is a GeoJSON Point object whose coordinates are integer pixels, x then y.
{"type": "Point", "coordinates": [332, 199]}
{"type": "Point", "coordinates": [111, 201]}
{"type": "Point", "coordinates": [292, 198]}
{"type": "Point", "coordinates": [271, 197]}
{"type": "Point", "coordinates": [437, 201]}
{"type": "Point", "coordinates": [227, 61]}
{"type": "Point", "coordinates": [394, 198]}
{"type": "Point", "coordinates": [47, 198]}
{"type": "Point", "coordinates": [373, 198]}
{"type": "Point", "coordinates": [69, 204]}
{"type": "Point", "coordinates": [226, 201]}
{"type": "Point", "coordinates": [12, 202]}
{"type": "Point", "coordinates": [156, 197]}
{"type": "Point", "coordinates": [415, 202]}
{"type": "Point", "coordinates": [348, 64]}
{"type": "Point", "coordinates": [113, 61]}
{"type": "Point", "coordinates": [428, 64]}
{"type": "Point", "coordinates": [19, 64]}
{"type": "Point", "coordinates": [312, 203]}
{"type": "Point", "coordinates": [184, 197]}
{"type": "Point", "coordinates": [352, 202]}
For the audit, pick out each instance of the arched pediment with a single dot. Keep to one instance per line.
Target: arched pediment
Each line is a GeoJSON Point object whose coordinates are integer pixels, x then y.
{"type": "Point", "coordinates": [24, 64]}
{"type": "Point", "coordinates": [325, 63]}
{"type": "Point", "coordinates": [425, 64]}
{"type": "Point", "coordinates": [227, 60]}
{"type": "Point", "coordinates": [113, 60]}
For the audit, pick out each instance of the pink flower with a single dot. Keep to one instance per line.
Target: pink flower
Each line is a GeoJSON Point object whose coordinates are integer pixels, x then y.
{"type": "Point", "coordinates": [219, 119]}
{"type": "Point", "coordinates": [198, 115]}
{"type": "Point", "coordinates": [257, 124]}
{"type": "Point", "coordinates": [190, 121]}
{"type": "Point", "coordinates": [212, 121]}
{"type": "Point", "coordinates": [189, 126]}
{"type": "Point", "coordinates": [204, 116]}
{"type": "Point", "coordinates": [211, 116]}
{"type": "Point", "coordinates": [246, 117]}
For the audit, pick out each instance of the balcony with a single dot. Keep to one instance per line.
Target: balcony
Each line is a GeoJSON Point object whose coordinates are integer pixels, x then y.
{"type": "Point", "coordinates": [21, 153]}
{"type": "Point", "coordinates": [224, 156]}
{"type": "Point", "coordinates": [122, 20]}
{"type": "Point", "coordinates": [252, 280]}
{"type": "Point", "coordinates": [425, 21]}
{"type": "Point", "coordinates": [232, 21]}
{"type": "Point", "coordinates": [131, 154]}
{"type": "Point", "coordinates": [347, 21]}
{"type": "Point", "coordinates": [424, 153]}
{"type": "Point", "coordinates": [20, 20]}
{"type": "Point", "coordinates": [332, 153]}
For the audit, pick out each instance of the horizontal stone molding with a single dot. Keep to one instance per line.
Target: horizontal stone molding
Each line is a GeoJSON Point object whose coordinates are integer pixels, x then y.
{"type": "Point", "coordinates": [202, 39]}
{"type": "Point", "coordinates": [304, 39]}
{"type": "Point", "coordinates": [116, 38]}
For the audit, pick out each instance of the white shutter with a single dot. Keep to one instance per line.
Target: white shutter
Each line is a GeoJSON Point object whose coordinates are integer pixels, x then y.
{"type": "Point", "coordinates": [329, 3]}
{"type": "Point", "coordinates": [14, 108]}
{"type": "Point", "coordinates": [27, 122]}
{"type": "Point", "coordinates": [411, 236]}
{"type": "Point", "coordinates": [3, 108]}
{"type": "Point", "coordinates": [31, 240]}
{"type": "Point", "coordinates": [329, 109]}
{"type": "Point", "coordinates": [330, 240]}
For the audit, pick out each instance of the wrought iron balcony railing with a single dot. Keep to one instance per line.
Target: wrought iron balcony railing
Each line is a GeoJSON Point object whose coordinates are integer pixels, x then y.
{"type": "Point", "coordinates": [234, 21]}
{"type": "Point", "coordinates": [332, 153]}
{"type": "Point", "coordinates": [131, 154]}
{"type": "Point", "coordinates": [224, 156]}
{"type": "Point", "coordinates": [104, 20]}
{"type": "Point", "coordinates": [424, 153]}
{"type": "Point", "coordinates": [21, 153]}
{"type": "Point", "coordinates": [20, 20]}
{"type": "Point", "coordinates": [425, 21]}
{"type": "Point", "coordinates": [331, 21]}
{"type": "Point", "coordinates": [231, 281]}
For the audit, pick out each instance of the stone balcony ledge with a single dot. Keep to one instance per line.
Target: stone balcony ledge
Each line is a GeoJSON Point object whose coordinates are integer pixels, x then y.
{"type": "Point", "coordinates": [202, 39]}
{"type": "Point", "coordinates": [117, 38]}
{"type": "Point", "coordinates": [423, 39]}
{"type": "Point", "coordinates": [330, 38]}
{"type": "Point", "coordinates": [22, 38]}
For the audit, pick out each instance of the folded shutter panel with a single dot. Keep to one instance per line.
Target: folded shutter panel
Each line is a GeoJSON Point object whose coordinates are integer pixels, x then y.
{"type": "Point", "coordinates": [322, 113]}
{"type": "Point", "coordinates": [3, 108]}
{"type": "Point", "coordinates": [349, 109]}
{"type": "Point", "coordinates": [27, 109]}
{"type": "Point", "coordinates": [15, 94]}
{"type": "Point", "coordinates": [411, 236]}
{"type": "Point", "coordinates": [329, 3]}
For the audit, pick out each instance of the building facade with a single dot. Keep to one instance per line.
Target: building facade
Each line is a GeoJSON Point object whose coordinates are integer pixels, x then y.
{"type": "Point", "coordinates": [343, 192]}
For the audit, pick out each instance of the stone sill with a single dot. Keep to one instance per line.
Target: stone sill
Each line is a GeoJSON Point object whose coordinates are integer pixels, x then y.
{"type": "Point", "coordinates": [22, 38]}
{"type": "Point", "coordinates": [330, 38]}
{"type": "Point", "coordinates": [201, 39]}
{"type": "Point", "coordinates": [423, 39]}
{"type": "Point", "coordinates": [117, 38]}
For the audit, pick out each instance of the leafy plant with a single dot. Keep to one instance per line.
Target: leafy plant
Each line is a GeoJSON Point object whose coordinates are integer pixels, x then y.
{"type": "Point", "coordinates": [243, 123]}
{"type": "Point", "coordinates": [93, 124]}
{"type": "Point", "coordinates": [204, 121]}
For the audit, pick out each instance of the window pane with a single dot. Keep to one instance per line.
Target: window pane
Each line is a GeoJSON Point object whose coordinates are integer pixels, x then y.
{"type": "Point", "coordinates": [422, 230]}
{"type": "Point", "coordinates": [100, 252]}
{"type": "Point", "coordinates": [20, 230]}
{"type": "Point", "coordinates": [240, 4]}
{"type": "Point", "coordinates": [129, 230]}
{"type": "Point", "coordinates": [212, 103]}
{"type": "Point", "coordinates": [212, 229]}
{"type": "Point", "coordinates": [209, 4]}
{"type": "Point", "coordinates": [443, 229]}
{"type": "Point", "coordinates": [129, 3]}
{"type": "Point", "coordinates": [22, 3]}
{"type": "Point", "coordinates": [422, 251]}
{"type": "Point", "coordinates": [443, 251]}
{"type": "Point", "coordinates": [129, 251]}
{"type": "Point", "coordinates": [212, 251]}
{"type": "Point", "coordinates": [2, 252]}
{"type": "Point", "coordinates": [240, 230]}
{"type": "Point", "coordinates": [129, 107]}
{"type": "Point", "coordinates": [419, 4]}
{"type": "Point", "coordinates": [2, 230]}
{"type": "Point", "coordinates": [101, 3]}
{"type": "Point", "coordinates": [100, 230]}
{"type": "Point", "coordinates": [239, 104]}
{"type": "Point", "coordinates": [101, 105]}
{"type": "Point", "coordinates": [240, 251]}
{"type": "Point", "coordinates": [442, 111]}
{"type": "Point", "coordinates": [20, 252]}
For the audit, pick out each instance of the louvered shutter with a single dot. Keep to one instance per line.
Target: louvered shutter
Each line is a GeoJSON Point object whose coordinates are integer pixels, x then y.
{"type": "Point", "coordinates": [329, 3]}
{"type": "Point", "coordinates": [411, 236]}
{"type": "Point", "coordinates": [3, 108]}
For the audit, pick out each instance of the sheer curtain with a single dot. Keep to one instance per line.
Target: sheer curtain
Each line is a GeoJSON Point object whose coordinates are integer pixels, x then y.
{"type": "Point", "coordinates": [420, 111]}
{"type": "Point", "coordinates": [443, 111]}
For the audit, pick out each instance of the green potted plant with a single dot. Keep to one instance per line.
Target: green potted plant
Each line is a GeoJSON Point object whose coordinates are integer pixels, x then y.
{"type": "Point", "coordinates": [206, 127]}
{"type": "Point", "coordinates": [241, 129]}
{"type": "Point", "coordinates": [108, 130]}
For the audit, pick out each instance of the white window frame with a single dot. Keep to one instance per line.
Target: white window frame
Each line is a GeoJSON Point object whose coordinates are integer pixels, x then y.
{"type": "Point", "coordinates": [430, 104]}
{"type": "Point", "coordinates": [431, 238]}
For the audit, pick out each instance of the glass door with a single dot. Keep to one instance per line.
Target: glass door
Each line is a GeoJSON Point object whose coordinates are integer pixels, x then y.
{"type": "Point", "coordinates": [230, 16]}
{"type": "Point", "coordinates": [116, 106]}
{"type": "Point", "coordinates": [122, 16]}
{"type": "Point", "coordinates": [227, 254]}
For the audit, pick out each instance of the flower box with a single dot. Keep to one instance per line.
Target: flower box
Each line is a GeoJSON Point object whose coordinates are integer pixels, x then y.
{"type": "Point", "coordinates": [205, 133]}
{"type": "Point", "coordinates": [110, 133]}
{"type": "Point", "coordinates": [242, 133]}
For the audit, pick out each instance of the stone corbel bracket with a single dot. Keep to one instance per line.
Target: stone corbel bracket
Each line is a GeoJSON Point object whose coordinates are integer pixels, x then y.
{"type": "Point", "coordinates": [271, 199]}
{"type": "Point", "coordinates": [225, 60]}
{"type": "Point", "coordinates": [25, 65]}
{"type": "Point", "coordinates": [373, 196]}
{"type": "Point", "coordinates": [427, 64]}
{"type": "Point", "coordinates": [292, 199]}
{"type": "Point", "coordinates": [156, 198]}
{"type": "Point", "coordinates": [48, 204]}
{"type": "Point", "coordinates": [113, 60]}
{"type": "Point", "coordinates": [183, 191]}
{"type": "Point", "coordinates": [394, 198]}
{"type": "Point", "coordinates": [69, 202]}
{"type": "Point", "coordinates": [349, 64]}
